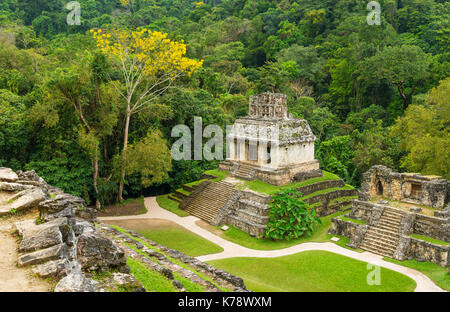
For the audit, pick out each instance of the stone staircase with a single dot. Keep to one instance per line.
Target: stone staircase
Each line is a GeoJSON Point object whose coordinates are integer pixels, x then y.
{"type": "Point", "coordinates": [207, 204]}
{"type": "Point", "coordinates": [383, 238]}
{"type": "Point", "coordinates": [245, 172]}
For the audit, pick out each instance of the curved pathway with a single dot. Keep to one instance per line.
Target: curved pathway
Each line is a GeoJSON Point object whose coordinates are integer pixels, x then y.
{"type": "Point", "coordinates": [234, 250]}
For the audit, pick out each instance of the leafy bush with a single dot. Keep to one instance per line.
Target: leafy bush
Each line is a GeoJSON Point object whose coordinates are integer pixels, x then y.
{"type": "Point", "coordinates": [71, 174]}
{"type": "Point", "coordinates": [289, 216]}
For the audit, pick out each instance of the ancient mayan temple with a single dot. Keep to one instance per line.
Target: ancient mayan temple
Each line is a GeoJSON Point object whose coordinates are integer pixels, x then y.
{"type": "Point", "coordinates": [269, 144]}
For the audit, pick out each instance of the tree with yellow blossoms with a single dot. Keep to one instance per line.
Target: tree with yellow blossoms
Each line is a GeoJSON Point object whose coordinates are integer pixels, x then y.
{"type": "Point", "coordinates": [149, 63]}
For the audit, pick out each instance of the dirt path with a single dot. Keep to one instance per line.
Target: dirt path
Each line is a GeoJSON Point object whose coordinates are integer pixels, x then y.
{"type": "Point", "coordinates": [13, 278]}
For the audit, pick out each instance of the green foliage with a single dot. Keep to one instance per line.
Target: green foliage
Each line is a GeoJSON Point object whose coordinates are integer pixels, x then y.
{"type": "Point", "coordinates": [72, 176]}
{"type": "Point", "coordinates": [425, 133]}
{"type": "Point", "coordinates": [150, 157]}
{"type": "Point", "coordinates": [290, 217]}
{"type": "Point", "coordinates": [336, 155]}
{"type": "Point", "coordinates": [341, 74]}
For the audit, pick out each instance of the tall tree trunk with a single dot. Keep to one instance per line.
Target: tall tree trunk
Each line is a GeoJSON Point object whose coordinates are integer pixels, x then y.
{"type": "Point", "coordinates": [401, 91]}
{"type": "Point", "coordinates": [125, 145]}
{"type": "Point", "coordinates": [95, 178]}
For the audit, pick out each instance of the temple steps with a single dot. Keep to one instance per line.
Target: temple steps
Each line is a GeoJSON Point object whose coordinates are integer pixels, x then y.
{"type": "Point", "coordinates": [208, 203]}
{"type": "Point", "coordinates": [382, 239]}
{"type": "Point", "coordinates": [244, 171]}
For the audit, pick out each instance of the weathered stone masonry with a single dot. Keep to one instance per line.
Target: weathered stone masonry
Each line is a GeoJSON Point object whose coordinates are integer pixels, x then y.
{"type": "Point", "coordinates": [407, 187]}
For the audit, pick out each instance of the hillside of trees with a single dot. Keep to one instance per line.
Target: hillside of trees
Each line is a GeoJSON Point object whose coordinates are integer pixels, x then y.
{"type": "Point", "coordinates": [373, 94]}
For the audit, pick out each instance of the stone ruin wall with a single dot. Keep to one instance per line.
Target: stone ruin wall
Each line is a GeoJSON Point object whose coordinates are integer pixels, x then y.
{"type": "Point", "coordinates": [412, 188]}
{"type": "Point", "coordinates": [413, 248]}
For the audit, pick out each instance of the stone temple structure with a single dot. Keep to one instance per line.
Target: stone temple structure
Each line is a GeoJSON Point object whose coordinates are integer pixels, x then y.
{"type": "Point", "coordinates": [389, 223]}
{"type": "Point", "coordinates": [270, 145]}
{"type": "Point", "coordinates": [267, 145]}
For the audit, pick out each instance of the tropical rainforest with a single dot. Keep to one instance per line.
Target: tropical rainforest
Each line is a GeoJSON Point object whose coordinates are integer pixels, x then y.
{"type": "Point", "coordinates": [373, 93]}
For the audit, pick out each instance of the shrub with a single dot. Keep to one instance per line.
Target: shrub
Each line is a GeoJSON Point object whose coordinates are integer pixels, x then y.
{"type": "Point", "coordinates": [289, 216]}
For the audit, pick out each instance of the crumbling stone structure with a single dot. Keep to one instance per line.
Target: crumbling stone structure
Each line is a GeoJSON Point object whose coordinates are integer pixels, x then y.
{"type": "Point", "coordinates": [395, 232]}
{"type": "Point", "coordinates": [269, 144]}
{"type": "Point", "coordinates": [407, 187]}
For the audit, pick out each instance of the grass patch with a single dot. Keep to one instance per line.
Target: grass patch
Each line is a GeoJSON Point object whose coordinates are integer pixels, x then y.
{"type": "Point", "coordinates": [128, 207]}
{"type": "Point", "coordinates": [429, 239]}
{"type": "Point", "coordinates": [165, 202]}
{"type": "Point", "coordinates": [180, 239]}
{"type": "Point", "coordinates": [194, 183]}
{"type": "Point", "coordinates": [242, 238]}
{"type": "Point", "coordinates": [263, 187]}
{"type": "Point", "coordinates": [183, 191]}
{"type": "Point", "coordinates": [151, 280]}
{"type": "Point", "coordinates": [312, 271]}
{"type": "Point", "coordinates": [328, 190]}
{"type": "Point", "coordinates": [189, 285]}
{"type": "Point", "coordinates": [439, 275]}
{"type": "Point", "coordinates": [352, 220]}
{"type": "Point", "coordinates": [170, 234]}
{"type": "Point", "coordinates": [219, 174]}
{"type": "Point", "coordinates": [342, 199]}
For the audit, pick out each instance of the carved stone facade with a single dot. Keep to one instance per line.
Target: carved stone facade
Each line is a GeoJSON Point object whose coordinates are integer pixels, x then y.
{"type": "Point", "coordinates": [270, 144]}
{"type": "Point", "coordinates": [407, 187]}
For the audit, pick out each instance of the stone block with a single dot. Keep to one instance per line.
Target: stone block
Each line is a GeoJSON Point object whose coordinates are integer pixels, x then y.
{"type": "Point", "coordinates": [6, 174]}
{"type": "Point", "coordinates": [41, 236]}
{"type": "Point", "coordinates": [44, 255]}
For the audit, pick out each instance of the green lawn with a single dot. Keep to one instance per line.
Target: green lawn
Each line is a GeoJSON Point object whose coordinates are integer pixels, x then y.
{"type": "Point", "coordinates": [439, 275]}
{"type": "Point", "coordinates": [263, 187]}
{"type": "Point", "coordinates": [430, 239]}
{"type": "Point", "coordinates": [171, 235]}
{"type": "Point", "coordinates": [182, 240]}
{"type": "Point", "coordinates": [312, 271]}
{"type": "Point", "coordinates": [242, 238]}
{"type": "Point", "coordinates": [165, 202]}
